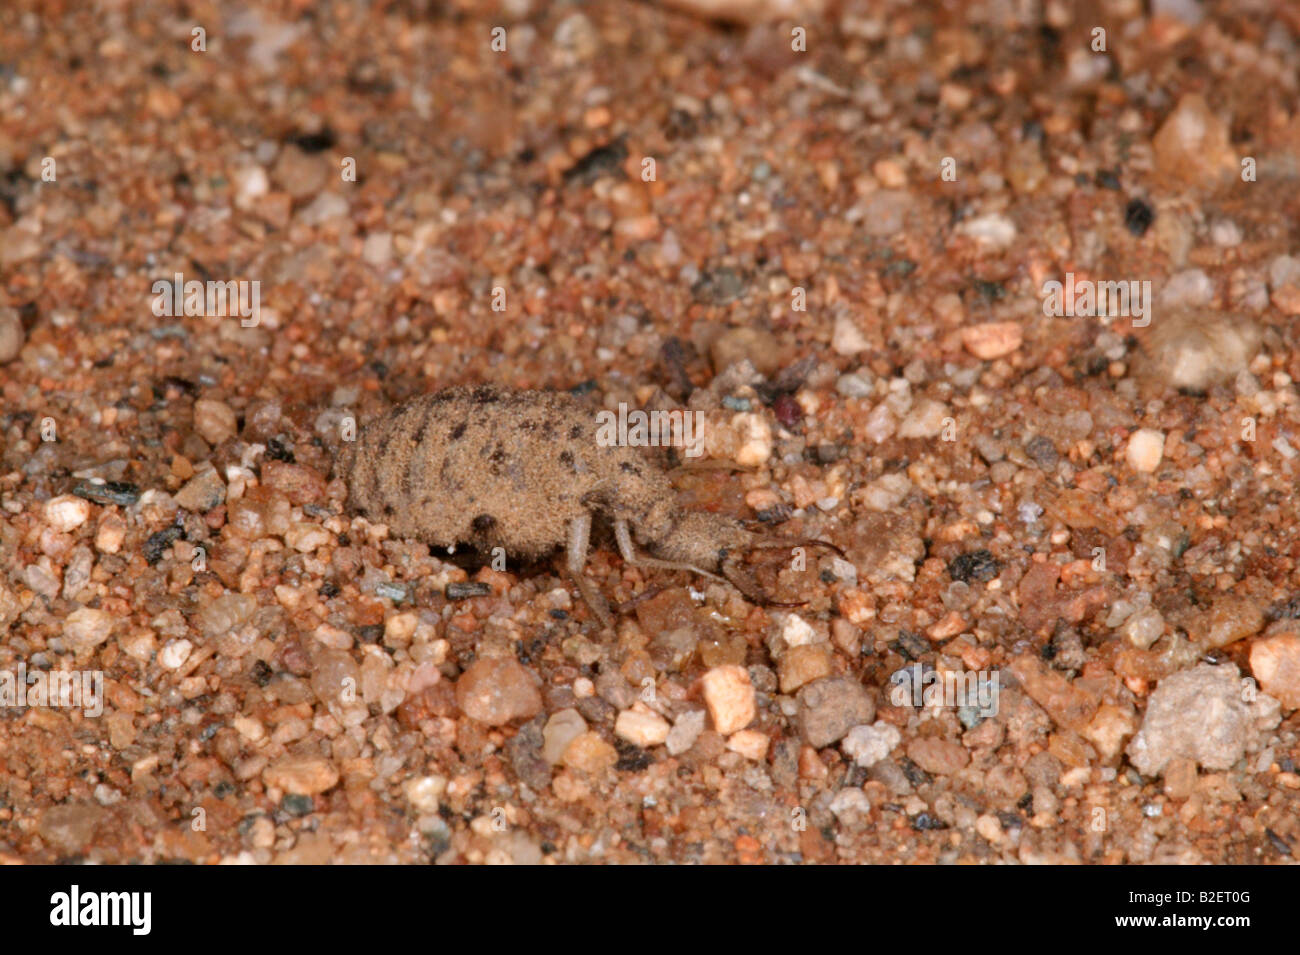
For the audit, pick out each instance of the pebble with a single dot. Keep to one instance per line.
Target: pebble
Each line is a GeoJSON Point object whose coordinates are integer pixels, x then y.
{"type": "Point", "coordinates": [497, 690]}
{"type": "Point", "coordinates": [686, 730]}
{"type": "Point", "coordinates": [203, 492]}
{"type": "Point", "coordinates": [1275, 662]}
{"type": "Point", "coordinates": [751, 744]}
{"type": "Point", "coordinates": [856, 384]}
{"type": "Point", "coordinates": [925, 420]}
{"type": "Point", "coordinates": [377, 250]}
{"type": "Point", "coordinates": [66, 512]}
{"type": "Point", "coordinates": [306, 537]}
{"type": "Point", "coordinates": [1191, 288]}
{"type": "Point", "coordinates": [797, 632]}
{"type": "Point", "coordinates": [883, 212]}
{"type": "Point", "coordinates": [561, 729]}
{"type": "Point", "coordinates": [1225, 233]}
{"type": "Point", "coordinates": [830, 707]}
{"type": "Point", "coordinates": [464, 590]}
{"type": "Point", "coordinates": [867, 745]}
{"type": "Point", "coordinates": [1194, 349]}
{"type": "Point", "coordinates": [847, 338]}
{"type": "Point", "coordinates": [1232, 617]}
{"type": "Point", "coordinates": [174, 654]}
{"type": "Point", "coordinates": [18, 243]}
{"type": "Point", "coordinates": [940, 757]}
{"type": "Point", "coordinates": [86, 628]}
{"type": "Point", "coordinates": [993, 230]}
{"type": "Point", "coordinates": [1146, 447]}
{"type": "Point", "coordinates": [730, 698]}
{"type": "Point", "coordinates": [215, 421]}
{"type": "Point", "coordinates": [590, 754]}
{"type": "Point", "coordinates": [881, 423]}
{"type": "Point", "coordinates": [756, 440]}
{"type": "Point", "coordinates": [886, 492]}
{"type": "Point", "coordinates": [301, 775]}
{"type": "Point", "coordinates": [642, 727]}
{"type": "Point", "coordinates": [1193, 145]}
{"type": "Point", "coordinates": [108, 492]}
{"type": "Point", "coordinates": [1143, 628]}
{"type": "Point", "coordinates": [400, 628]}
{"type": "Point", "coordinates": [70, 826]}
{"type": "Point", "coordinates": [300, 484]}
{"type": "Point", "coordinates": [224, 614]}
{"type": "Point", "coordinates": [425, 792]}
{"type": "Point", "coordinates": [988, 828]}
{"type": "Point", "coordinates": [11, 334]}
{"type": "Point", "coordinates": [1200, 714]}
{"type": "Point", "coordinates": [993, 339]}
{"type": "Point", "coordinates": [1283, 281]}
{"type": "Point", "coordinates": [849, 803]}
{"type": "Point", "coordinates": [802, 664]}
{"type": "Point", "coordinates": [1109, 730]}
{"type": "Point", "coordinates": [1069, 705]}
{"type": "Point", "coordinates": [251, 183]}
{"type": "Point", "coordinates": [737, 344]}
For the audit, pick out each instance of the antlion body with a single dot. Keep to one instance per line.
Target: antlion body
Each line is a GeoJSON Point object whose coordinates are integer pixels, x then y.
{"type": "Point", "coordinates": [489, 467]}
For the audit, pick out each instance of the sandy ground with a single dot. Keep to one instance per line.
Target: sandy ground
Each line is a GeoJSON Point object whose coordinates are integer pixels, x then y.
{"type": "Point", "coordinates": [832, 237]}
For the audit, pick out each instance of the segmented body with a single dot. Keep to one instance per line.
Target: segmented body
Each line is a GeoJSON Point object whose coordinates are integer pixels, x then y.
{"type": "Point", "coordinates": [488, 467]}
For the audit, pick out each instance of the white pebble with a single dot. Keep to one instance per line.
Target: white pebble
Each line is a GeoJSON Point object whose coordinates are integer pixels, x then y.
{"type": "Point", "coordinates": [730, 698]}
{"type": "Point", "coordinates": [847, 338]}
{"type": "Point", "coordinates": [994, 230]}
{"type": "Point", "coordinates": [174, 654]}
{"type": "Point", "coordinates": [685, 732]}
{"type": "Point", "coordinates": [756, 438]}
{"type": "Point", "coordinates": [641, 727]}
{"type": "Point", "coordinates": [66, 512]}
{"type": "Point", "coordinates": [1145, 449]}
{"type": "Point", "coordinates": [797, 632]}
{"type": "Point", "coordinates": [868, 745]}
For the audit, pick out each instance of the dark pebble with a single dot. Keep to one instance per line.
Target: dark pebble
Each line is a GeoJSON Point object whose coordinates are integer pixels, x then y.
{"type": "Point", "coordinates": [1138, 217]}
{"type": "Point", "coordinates": [1285, 610]}
{"type": "Point", "coordinates": [924, 822]}
{"type": "Point", "coordinates": [1108, 179]}
{"type": "Point", "coordinates": [466, 590]}
{"type": "Point", "coordinates": [787, 411]}
{"type": "Point", "coordinates": [910, 645]}
{"type": "Point", "coordinates": [314, 142]}
{"type": "Point", "coordinates": [1043, 452]}
{"type": "Point", "coordinates": [159, 542]}
{"type": "Point", "coordinates": [525, 752]}
{"type": "Point", "coordinates": [371, 633]}
{"type": "Point", "coordinates": [606, 160]}
{"type": "Point", "coordinates": [914, 773]}
{"type": "Point", "coordinates": [261, 673]}
{"type": "Point", "coordinates": [719, 286]}
{"type": "Point", "coordinates": [329, 589]}
{"type": "Point", "coordinates": [277, 450]}
{"type": "Point", "coordinates": [110, 492]}
{"type": "Point", "coordinates": [297, 806]}
{"type": "Point", "coordinates": [631, 758]}
{"type": "Point", "coordinates": [775, 515]}
{"type": "Point", "coordinates": [976, 565]}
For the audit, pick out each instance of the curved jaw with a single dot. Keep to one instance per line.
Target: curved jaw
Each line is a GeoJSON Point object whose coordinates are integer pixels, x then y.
{"type": "Point", "coordinates": [747, 583]}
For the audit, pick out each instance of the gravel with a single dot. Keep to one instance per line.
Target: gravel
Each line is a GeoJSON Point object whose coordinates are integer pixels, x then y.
{"type": "Point", "coordinates": [1093, 509]}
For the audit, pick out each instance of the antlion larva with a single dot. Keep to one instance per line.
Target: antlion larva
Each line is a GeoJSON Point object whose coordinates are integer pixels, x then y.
{"type": "Point", "coordinates": [489, 467]}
